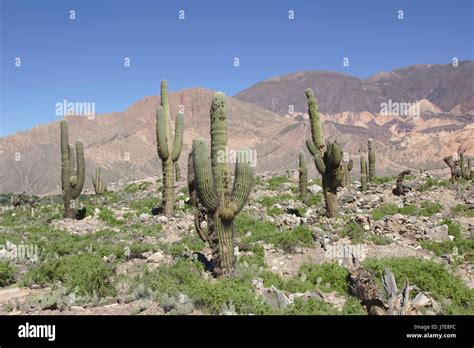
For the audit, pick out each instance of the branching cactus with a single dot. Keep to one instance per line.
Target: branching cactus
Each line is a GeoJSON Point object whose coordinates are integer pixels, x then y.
{"type": "Point", "coordinates": [168, 150]}
{"type": "Point", "coordinates": [328, 159]}
{"type": "Point", "coordinates": [363, 173]}
{"type": "Point", "coordinates": [303, 175]}
{"type": "Point", "coordinates": [453, 163]}
{"type": "Point", "coordinates": [72, 176]}
{"type": "Point", "coordinates": [213, 180]}
{"type": "Point", "coordinates": [99, 186]}
{"type": "Point", "coordinates": [371, 149]}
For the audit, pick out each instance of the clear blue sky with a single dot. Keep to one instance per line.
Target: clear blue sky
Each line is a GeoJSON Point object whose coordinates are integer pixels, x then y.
{"type": "Point", "coordinates": [82, 60]}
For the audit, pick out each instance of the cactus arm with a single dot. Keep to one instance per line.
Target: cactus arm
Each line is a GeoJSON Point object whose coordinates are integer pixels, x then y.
{"type": "Point", "coordinates": [316, 127]}
{"type": "Point", "coordinates": [303, 175]}
{"type": "Point", "coordinates": [191, 180]}
{"type": "Point", "coordinates": [203, 175]}
{"type": "Point", "coordinates": [164, 99]}
{"type": "Point", "coordinates": [178, 137]}
{"type": "Point", "coordinates": [334, 156]}
{"type": "Point", "coordinates": [311, 147]}
{"type": "Point", "coordinates": [161, 133]}
{"type": "Point", "coordinates": [320, 166]}
{"type": "Point", "coordinates": [243, 181]}
{"type": "Point", "coordinates": [220, 170]}
{"type": "Point", "coordinates": [350, 165]}
{"type": "Point", "coordinates": [65, 156]}
{"type": "Point", "coordinates": [81, 170]}
{"type": "Point", "coordinates": [72, 159]}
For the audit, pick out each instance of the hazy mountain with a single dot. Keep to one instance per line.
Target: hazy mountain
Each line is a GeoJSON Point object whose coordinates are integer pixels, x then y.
{"type": "Point", "coordinates": [446, 86]}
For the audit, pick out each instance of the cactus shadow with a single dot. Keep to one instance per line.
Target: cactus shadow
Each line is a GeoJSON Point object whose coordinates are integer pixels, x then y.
{"type": "Point", "coordinates": [200, 257]}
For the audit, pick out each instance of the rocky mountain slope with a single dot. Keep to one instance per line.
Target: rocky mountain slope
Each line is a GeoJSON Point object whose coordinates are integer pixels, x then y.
{"type": "Point", "coordinates": [450, 88]}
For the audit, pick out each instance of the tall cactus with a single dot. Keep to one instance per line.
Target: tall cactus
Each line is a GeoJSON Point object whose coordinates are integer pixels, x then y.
{"type": "Point", "coordinates": [303, 175]}
{"type": "Point", "coordinates": [328, 159]}
{"type": "Point", "coordinates": [363, 173]}
{"type": "Point", "coordinates": [168, 151]}
{"type": "Point", "coordinates": [213, 180]}
{"type": "Point", "coordinates": [371, 149]}
{"type": "Point", "coordinates": [72, 176]}
{"type": "Point", "coordinates": [99, 186]}
{"type": "Point", "coordinates": [469, 169]}
{"type": "Point", "coordinates": [461, 165]}
{"type": "Point", "coordinates": [347, 166]}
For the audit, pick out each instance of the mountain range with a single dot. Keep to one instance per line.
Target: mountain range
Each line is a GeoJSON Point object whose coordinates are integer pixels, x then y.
{"type": "Point", "coordinates": [271, 118]}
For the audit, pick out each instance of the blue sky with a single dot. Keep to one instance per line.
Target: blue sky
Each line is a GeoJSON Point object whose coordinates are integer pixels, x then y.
{"type": "Point", "coordinates": [82, 60]}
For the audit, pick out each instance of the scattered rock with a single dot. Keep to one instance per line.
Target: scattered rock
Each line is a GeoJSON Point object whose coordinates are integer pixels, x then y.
{"type": "Point", "coordinates": [438, 234]}
{"type": "Point", "coordinates": [314, 189]}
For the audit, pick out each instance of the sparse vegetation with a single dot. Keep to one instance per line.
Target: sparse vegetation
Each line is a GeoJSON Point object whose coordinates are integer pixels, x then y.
{"type": "Point", "coordinates": [275, 182]}
{"type": "Point", "coordinates": [431, 277]}
{"type": "Point", "coordinates": [7, 273]}
{"type": "Point", "coordinates": [84, 274]}
{"type": "Point", "coordinates": [462, 209]}
{"type": "Point", "coordinates": [425, 208]}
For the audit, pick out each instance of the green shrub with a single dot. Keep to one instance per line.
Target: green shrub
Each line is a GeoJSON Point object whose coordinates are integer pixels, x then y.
{"type": "Point", "coordinates": [135, 187]}
{"type": "Point", "coordinates": [7, 273]}
{"type": "Point", "coordinates": [426, 208]}
{"type": "Point", "coordinates": [454, 229]}
{"type": "Point", "coordinates": [382, 180]}
{"type": "Point", "coordinates": [109, 218]}
{"type": "Point", "coordinates": [354, 232]}
{"type": "Point", "coordinates": [144, 205]}
{"type": "Point", "coordinates": [380, 240]}
{"type": "Point", "coordinates": [313, 200]}
{"type": "Point", "coordinates": [268, 201]}
{"type": "Point", "coordinates": [384, 210]}
{"type": "Point", "coordinates": [330, 273]}
{"type": "Point", "coordinates": [267, 232]}
{"type": "Point", "coordinates": [433, 182]}
{"type": "Point", "coordinates": [288, 240]}
{"type": "Point", "coordinates": [185, 277]}
{"type": "Point", "coordinates": [276, 182]}
{"type": "Point", "coordinates": [273, 211]}
{"type": "Point", "coordinates": [465, 247]}
{"type": "Point", "coordinates": [428, 276]}
{"type": "Point", "coordinates": [82, 273]}
{"type": "Point", "coordinates": [462, 209]}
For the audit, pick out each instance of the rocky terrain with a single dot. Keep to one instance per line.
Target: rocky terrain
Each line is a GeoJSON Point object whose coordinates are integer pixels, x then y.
{"type": "Point", "coordinates": [122, 259]}
{"type": "Point", "coordinates": [123, 144]}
